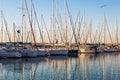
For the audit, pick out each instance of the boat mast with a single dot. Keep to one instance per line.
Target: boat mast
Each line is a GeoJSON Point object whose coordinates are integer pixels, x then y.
{"type": "Point", "coordinates": [6, 27]}
{"type": "Point", "coordinates": [91, 33]}
{"type": "Point", "coordinates": [65, 20]}
{"type": "Point", "coordinates": [60, 24]}
{"type": "Point", "coordinates": [38, 24]}
{"type": "Point", "coordinates": [16, 38]}
{"type": "Point", "coordinates": [72, 25]}
{"type": "Point", "coordinates": [31, 18]}
{"type": "Point", "coordinates": [104, 29]}
{"type": "Point", "coordinates": [79, 27]}
{"type": "Point", "coordinates": [30, 21]}
{"type": "Point", "coordinates": [88, 33]}
{"type": "Point", "coordinates": [14, 31]}
{"type": "Point", "coordinates": [53, 20]}
{"type": "Point", "coordinates": [1, 28]}
{"type": "Point", "coordinates": [117, 31]}
{"type": "Point", "coordinates": [109, 32]}
{"type": "Point", "coordinates": [42, 19]}
{"type": "Point", "coordinates": [42, 27]}
{"type": "Point", "coordinates": [23, 20]}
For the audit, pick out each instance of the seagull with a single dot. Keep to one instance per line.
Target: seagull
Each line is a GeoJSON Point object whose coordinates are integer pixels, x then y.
{"type": "Point", "coordinates": [103, 6]}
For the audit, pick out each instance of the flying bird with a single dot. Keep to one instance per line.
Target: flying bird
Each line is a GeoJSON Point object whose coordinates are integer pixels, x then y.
{"type": "Point", "coordinates": [103, 6]}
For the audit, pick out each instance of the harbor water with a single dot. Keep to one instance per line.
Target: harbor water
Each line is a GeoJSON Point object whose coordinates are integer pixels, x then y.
{"type": "Point", "coordinates": [85, 67]}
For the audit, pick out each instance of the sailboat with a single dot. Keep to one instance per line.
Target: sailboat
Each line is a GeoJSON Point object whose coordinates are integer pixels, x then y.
{"type": "Point", "coordinates": [56, 50]}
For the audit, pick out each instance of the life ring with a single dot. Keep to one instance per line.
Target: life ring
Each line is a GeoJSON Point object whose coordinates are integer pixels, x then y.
{"type": "Point", "coordinates": [18, 54]}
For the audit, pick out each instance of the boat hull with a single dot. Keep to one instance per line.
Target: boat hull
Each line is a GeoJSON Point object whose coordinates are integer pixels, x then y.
{"type": "Point", "coordinates": [9, 54]}
{"type": "Point", "coordinates": [58, 52]}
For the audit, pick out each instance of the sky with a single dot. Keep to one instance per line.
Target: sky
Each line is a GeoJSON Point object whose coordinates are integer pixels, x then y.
{"type": "Point", "coordinates": [93, 9]}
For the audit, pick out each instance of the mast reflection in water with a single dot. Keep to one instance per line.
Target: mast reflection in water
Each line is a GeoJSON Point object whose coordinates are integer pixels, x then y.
{"type": "Point", "coordinates": [86, 67]}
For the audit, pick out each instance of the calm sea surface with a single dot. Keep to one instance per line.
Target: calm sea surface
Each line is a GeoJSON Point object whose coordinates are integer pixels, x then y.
{"type": "Point", "coordinates": [86, 67]}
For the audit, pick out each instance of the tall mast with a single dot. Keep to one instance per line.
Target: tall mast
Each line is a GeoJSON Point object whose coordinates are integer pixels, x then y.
{"type": "Point", "coordinates": [1, 28]}
{"type": "Point", "coordinates": [53, 20]}
{"type": "Point", "coordinates": [42, 27]}
{"type": "Point", "coordinates": [22, 17]}
{"type": "Point", "coordinates": [30, 21]}
{"type": "Point", "coordinates": [38, 23]}
{"type": "Point", "coordinates": [104, 29]}
{"type": "Point", "coordinates": [16, 38]}
{"type": "Point", "coordinates": [79, 27]}
{"type": "Point", "coordinates": [42, 19]}
{"type": "Point", "coordinates": [6, 27]}
{"type": "Point", "coordinates": [90, 32]}
{"type": "Point", "coordinates": [72, 25]}
{"type": "Point", "coordinates": [65, 20]}
{"type": "Point", "coordinates": [117, 31]}
{"type": "Point", "coordinates": [14, 32]}
{"type": "Point", "coordinates": [31, 18]}
{"type": "Point", "coordinates": [23, 20]}
{"type": "Point", "coordinates": [51, 30]}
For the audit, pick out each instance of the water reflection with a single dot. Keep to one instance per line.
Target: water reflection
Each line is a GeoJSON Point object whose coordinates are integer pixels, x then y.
{"type": "Point", "coordinates": [86, 67]}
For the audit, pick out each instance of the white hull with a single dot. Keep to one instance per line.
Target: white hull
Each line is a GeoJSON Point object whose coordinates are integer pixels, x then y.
{"type": "Point", "coordinates": [98, 51]}
{"type": "Point", "coordinates": [109, 50]}
{"type": "Point", "coordinates": [87, 51]}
